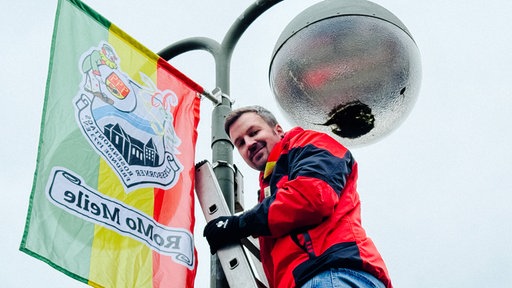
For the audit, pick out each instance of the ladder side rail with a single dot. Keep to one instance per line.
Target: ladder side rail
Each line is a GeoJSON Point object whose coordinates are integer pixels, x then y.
{"type": "Point", "coordinates": [253, 248]}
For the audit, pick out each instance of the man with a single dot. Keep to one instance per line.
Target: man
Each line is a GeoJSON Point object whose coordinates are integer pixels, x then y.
{"type": "Point", "coordinates": [308, 218]}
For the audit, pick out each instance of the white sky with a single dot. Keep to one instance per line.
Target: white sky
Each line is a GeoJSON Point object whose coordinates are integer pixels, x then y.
{"type": "Point", "coordinates": [435, 193]}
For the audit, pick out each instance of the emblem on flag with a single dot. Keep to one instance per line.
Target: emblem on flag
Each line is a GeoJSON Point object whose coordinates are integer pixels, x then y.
{"type": "Point", "coordinates": [129, 124]}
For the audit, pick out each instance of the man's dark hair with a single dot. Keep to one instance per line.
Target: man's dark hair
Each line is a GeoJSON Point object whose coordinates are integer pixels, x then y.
{"type": "Point", "coordinates": [266, 115]}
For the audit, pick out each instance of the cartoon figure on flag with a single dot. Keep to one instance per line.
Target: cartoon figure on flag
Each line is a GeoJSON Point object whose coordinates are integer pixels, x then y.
{"type": "Point", "coordinates": [128, 124]}
{"type": "Point", "coordinates": [91, 68]}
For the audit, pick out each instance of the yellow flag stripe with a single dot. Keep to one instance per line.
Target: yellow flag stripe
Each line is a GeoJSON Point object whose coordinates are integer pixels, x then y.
{"type": "Point", "coordinates": [135, 262]}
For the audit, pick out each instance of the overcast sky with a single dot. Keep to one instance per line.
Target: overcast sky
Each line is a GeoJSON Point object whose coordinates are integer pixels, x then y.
{"type": "Point", "coordinates": [435, 193]}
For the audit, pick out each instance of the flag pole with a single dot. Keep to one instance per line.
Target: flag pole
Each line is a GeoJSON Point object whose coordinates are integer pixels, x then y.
{"type": "Point", "coordinates": [222, 148]}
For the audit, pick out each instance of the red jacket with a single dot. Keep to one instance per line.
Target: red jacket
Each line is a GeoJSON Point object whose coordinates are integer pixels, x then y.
{"type": "Point", "coordinates": [308, 219]}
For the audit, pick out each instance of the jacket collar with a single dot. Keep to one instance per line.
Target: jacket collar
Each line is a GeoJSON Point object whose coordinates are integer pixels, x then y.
{"type": "Point", "coordinates": [277, 151]}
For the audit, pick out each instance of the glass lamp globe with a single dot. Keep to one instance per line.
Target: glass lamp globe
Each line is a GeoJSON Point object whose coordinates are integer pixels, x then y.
{"type": "Point", "coordinates": [349, 68]}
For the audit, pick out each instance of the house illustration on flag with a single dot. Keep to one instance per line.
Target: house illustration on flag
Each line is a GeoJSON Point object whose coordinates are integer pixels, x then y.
{"type": "Point", "coordinates": [134, 151]}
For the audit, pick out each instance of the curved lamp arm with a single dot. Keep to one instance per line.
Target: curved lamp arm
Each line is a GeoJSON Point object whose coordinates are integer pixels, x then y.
{"type": "Point", "coordinates": [221, 52]}
{"type": "Point", "coordinates": [194, 43]}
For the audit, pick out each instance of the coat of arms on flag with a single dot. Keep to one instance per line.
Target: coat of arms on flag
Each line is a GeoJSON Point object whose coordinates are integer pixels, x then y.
{"type": "Point", "coordinates": [130, 125]}
{"type": "Point", "coordinates": [112, 203]}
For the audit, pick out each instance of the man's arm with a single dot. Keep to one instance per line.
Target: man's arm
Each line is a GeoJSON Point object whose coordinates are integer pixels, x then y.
{"type": "Point", "coordinates": [318, 168]}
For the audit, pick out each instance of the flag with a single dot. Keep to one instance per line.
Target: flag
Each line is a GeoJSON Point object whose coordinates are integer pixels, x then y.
{"type": "Point", "coordinates": [112, 202]}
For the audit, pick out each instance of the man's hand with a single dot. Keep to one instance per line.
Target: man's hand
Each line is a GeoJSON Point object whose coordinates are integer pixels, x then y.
{"type": "Point", "coordinates": [222, 231]}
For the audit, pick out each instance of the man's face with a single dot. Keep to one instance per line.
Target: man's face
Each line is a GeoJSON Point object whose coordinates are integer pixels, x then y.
{"type": "Point", "coordinates": [254, 139]}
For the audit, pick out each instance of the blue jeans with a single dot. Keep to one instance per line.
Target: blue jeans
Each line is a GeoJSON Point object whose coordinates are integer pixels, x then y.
{"type": "Point", "coordinates": [343, 278]}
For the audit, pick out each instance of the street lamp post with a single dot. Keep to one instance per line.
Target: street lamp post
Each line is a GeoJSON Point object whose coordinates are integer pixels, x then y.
{"type": "Point", "coordinates": [347, 67]}
{"type": "Point", "coordinates": [222, 148]}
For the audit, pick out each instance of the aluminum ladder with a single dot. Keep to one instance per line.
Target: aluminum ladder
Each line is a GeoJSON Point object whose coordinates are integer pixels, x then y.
{"type": "Point", "coordinates": [241, 263]}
